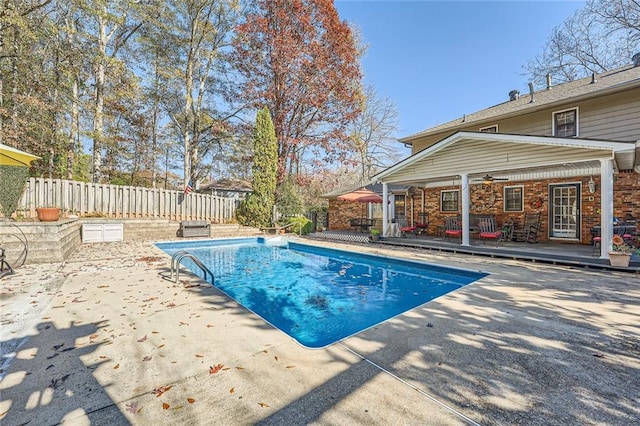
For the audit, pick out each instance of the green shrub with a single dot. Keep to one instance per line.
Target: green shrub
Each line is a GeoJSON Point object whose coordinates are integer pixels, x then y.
{"type": "Point", "coordinates": [300, 225]}
{"type": "Point", "coordinates": [14, 179]}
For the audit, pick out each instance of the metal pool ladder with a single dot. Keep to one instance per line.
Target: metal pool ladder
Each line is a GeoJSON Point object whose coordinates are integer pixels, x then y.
{"type": "Point", "coordinates": [183, 254]}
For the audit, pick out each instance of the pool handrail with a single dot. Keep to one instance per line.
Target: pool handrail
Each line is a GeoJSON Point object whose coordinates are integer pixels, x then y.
{"type": "Point", "coordinates": [182, 254]}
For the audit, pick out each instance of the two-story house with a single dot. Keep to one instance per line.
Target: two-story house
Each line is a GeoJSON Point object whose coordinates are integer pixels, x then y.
{"type": "Point", "coordinates": [570, 152]}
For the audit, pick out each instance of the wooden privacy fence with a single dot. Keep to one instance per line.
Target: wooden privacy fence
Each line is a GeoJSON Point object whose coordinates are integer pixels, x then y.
{"type": "Point", "coordinates": [114, 201]}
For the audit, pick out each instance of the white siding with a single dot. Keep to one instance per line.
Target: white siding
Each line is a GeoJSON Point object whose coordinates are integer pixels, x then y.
{"type": "Point", "coordinates": [475, 157]}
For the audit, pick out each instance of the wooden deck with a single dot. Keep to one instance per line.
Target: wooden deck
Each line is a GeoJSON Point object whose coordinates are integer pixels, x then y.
{"type": "Point", "coordinates": [555, 253]}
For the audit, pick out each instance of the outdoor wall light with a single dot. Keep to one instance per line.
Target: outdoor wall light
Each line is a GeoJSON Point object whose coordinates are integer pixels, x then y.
{"type": "Point", "coordinates": [592, 185]}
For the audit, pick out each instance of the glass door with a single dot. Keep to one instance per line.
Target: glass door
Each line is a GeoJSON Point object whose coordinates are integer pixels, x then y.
{"type": "Point", "coordinates": [564, 211]}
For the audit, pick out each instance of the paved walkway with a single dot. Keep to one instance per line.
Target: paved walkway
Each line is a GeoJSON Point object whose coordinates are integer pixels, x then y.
{"type": "Point", "coordinates": [106, 339]}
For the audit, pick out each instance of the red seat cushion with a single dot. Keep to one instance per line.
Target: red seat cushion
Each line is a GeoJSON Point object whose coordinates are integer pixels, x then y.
{"type": "Point", "coordinates": [597, 239]}
{"type": "Point", "coordinates": [493, 235]}
{"type": "Point", "coordinates": [452, 232]}
{"type": "Point", "coordinates": [408, 228]}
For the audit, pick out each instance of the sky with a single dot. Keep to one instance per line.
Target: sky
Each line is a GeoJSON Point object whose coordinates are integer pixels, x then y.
{"type": "Point", "coordinates": [439, 60]}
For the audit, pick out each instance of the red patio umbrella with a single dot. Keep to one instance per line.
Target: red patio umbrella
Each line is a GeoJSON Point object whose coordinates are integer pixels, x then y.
{"type": "Point", "coordinates": [361, 196]}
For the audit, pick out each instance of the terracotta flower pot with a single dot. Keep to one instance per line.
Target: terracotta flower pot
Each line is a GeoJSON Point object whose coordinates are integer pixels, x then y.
{"type": "Point", "coordinates": [619, 259]}
{"type": "Point", "coordinates": [48, 214]}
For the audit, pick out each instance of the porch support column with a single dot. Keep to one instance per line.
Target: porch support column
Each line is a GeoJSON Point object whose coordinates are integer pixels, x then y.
{"type": "Point", "coordinates": [385, 209]}
{"type": "Point", "coordinates": [465, 208]}
{"type": "Point", "coordinates": [606, 206]}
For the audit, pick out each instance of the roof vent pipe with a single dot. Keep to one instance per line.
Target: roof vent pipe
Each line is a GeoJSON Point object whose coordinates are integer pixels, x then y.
{"type": "Point", "coordinates": [548, 81]}
{"type": "Point", "coordinates": [514, 94]}
{"type": "Point", "coordinates": [636, 59]}
{"type": "Point", "coordinates": [594, 79]}
{"type": "Point", "coordinates": [531, 92]}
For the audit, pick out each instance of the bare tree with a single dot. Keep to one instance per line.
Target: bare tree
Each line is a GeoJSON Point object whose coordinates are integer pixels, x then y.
{"type": "Point", "coordinates": [620, 16]}
{"type": "Point", "coordinates": [599, 37]}
{"type": "Point", "coordinates": [372, 134]}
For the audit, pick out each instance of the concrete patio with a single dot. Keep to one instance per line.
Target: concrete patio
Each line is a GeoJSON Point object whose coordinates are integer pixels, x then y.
{"type": "Point", "coordinates": [105, 338]}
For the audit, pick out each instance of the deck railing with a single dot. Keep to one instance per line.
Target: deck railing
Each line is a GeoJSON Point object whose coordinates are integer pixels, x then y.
{"type": "Point", "coordinates": [114, 201]}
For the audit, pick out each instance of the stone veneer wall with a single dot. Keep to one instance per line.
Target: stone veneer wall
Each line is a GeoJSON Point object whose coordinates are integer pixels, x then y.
{"type": "Point", "coordinates": [54, 242]}
{"type": "Point", "coordinates": [47, 242]}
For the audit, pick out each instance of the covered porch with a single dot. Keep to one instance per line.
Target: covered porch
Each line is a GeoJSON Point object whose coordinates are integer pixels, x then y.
{"type": "Point", "coordinates": [578, 255]}
{"type": "Point", "coordinates": [466, 160]}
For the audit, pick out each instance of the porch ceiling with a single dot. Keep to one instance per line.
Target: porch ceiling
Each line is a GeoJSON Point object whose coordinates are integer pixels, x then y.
{"type": "Point", "coordinates": [515, 157]}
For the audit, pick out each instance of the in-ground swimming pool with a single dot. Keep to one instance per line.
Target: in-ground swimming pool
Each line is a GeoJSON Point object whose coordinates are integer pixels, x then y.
{"type": "Point", "coordinates": [318, 295]}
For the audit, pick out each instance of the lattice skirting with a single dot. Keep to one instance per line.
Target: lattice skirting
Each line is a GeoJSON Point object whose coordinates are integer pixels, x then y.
{"type": "Point", "coordinates": [351, 237]}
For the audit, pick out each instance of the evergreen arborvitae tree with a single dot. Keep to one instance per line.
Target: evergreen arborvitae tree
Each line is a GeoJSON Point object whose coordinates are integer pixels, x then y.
{"type": "Point", "coordinates": [257, 208]}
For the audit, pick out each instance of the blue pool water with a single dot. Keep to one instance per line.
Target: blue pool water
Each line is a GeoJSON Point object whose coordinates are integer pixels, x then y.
{"type": "Point", "coordinates": [317, 295]}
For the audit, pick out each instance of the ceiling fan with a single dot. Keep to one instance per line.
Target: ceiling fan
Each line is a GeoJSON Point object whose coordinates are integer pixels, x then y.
{"type": "Point", "coordinates": [488, 179]}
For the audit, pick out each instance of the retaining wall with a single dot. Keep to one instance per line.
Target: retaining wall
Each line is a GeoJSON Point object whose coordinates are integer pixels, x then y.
{"type": "Point", "coordinates": [53, 242]}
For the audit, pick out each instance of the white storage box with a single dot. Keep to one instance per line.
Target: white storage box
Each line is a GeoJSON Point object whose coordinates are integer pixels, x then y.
{"type": "Point", "coordinates": [102, 232]}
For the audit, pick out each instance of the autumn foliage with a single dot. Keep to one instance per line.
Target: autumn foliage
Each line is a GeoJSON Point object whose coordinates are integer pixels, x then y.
{"type": "Point", "coordinates": [299, 60]}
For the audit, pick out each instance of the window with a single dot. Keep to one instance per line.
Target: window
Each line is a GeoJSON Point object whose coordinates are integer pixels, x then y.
{"type": "Point", "coordinates": [513, 199]}
{"type": "Point", "coordinates": [399, 206]}
{"type": "Point", "coordinates": [449, 201]}
{"type": "Point", "coordinates": [490, 129]}
{"type": "Point", "coordinates": [565, 123]}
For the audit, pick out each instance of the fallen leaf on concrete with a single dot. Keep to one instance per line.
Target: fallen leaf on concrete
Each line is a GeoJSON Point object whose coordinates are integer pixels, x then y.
{"type": "Point", "coordinates": [165, 406]}
{"type": "Point", "coordinates": [142, 339]}
{"type": "Point", "coordinates": [160, 390]}
{"type": "Point", "coordinates": [291, 366]}
{"type": "Point", "coordinates": [275, 357]}
{"type": "Point", "coordinates": [147, 358]}
{"type": "Point", "coordinates": [199, 356]}
{"type": "Point", "coordinates": [55, 383]}
{"type": "Point", "coordinates": [263, 404]}
{"type": "Point", "coordinates": [116, 366]}
{"type": "Point", "coordinates": [191, 400]}
{"type": "Point", "coordinates": [133, 407]}
{"type": "Point", "coordinates": [215, 369]}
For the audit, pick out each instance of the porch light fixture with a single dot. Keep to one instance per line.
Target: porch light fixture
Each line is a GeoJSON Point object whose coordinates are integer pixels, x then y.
{"type": "Point", "coordinates": [591, 185]}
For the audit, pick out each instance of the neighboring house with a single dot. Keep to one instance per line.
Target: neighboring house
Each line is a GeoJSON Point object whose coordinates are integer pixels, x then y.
{"type": "Point", "coordinates": [230, 188]}
{"type": "Point", "coordinates": [570, 152]}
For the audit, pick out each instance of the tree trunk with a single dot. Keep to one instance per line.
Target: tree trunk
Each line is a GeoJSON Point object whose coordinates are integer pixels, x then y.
{"type": "Point", "coordinates": [188, 111]}
{"type": "Point", "coordinates": [154, 130]}
{"type": "Point", "coordinates": [74, 127]}
{"type": "Point", "coordinates": [98, 117]}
